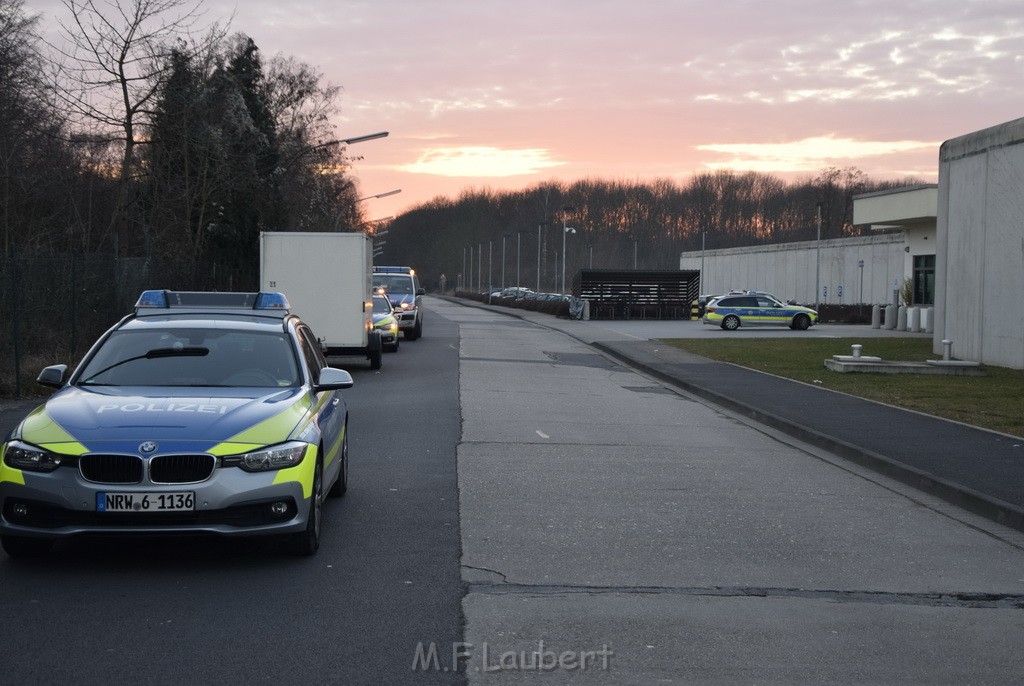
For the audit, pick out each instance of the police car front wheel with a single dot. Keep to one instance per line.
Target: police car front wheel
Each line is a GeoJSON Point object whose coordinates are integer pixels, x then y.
{"type": "Point", "coordinates": [308, 541]}
{"type": "Point", "coordinates": [731, 323]}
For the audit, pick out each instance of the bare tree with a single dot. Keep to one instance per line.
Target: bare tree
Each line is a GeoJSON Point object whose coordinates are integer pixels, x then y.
{"type": "Point", "coordinates": [112, 66]}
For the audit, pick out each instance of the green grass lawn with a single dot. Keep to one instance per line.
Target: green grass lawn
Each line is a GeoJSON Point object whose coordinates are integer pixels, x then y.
{"type": "Point", "coordinates": [993, 401]}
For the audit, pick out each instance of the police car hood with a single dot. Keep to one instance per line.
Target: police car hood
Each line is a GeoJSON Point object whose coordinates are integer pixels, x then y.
{"type": "Point", "coordinates": [105, 418]}
{"type": "Point", "coordinates": [398, 298]}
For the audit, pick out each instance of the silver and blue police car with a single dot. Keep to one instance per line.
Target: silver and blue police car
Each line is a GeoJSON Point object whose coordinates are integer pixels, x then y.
{"type": "Point", "coordinates": [385, 320]}
{"type": "Point", "coordinates": [753, 308]}
{"type": "Point", "coordinates": [402, 288]}
{"type": "Point", "coordinates": [209, 413]}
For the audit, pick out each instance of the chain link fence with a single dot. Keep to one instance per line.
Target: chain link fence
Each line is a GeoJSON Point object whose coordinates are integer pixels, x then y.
{"type": "Point", "coordinates": [54, 307]}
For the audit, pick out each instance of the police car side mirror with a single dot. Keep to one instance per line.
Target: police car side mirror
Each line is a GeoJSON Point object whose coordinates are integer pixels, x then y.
{"type": "Point", "coordinates": [421, 291]}
{"type": "Point", "coordinates": [53, 376]}
{"type": "Point", "coordinates": [332, 379]}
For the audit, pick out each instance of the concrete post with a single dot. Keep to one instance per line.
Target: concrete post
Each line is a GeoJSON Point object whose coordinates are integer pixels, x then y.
{"type": "Point", "coordinates": [890, 318]}
{"type": "Point", "coordinates": [929, 320]}
{"type": "Point", "coordinates": [901, 321]}
{"type": "Point", "coordinates": [947, 349]}
{"type": "Point", "coordinates": [914, 313]}
{"type": "Point", "coordinates": [876, 316]}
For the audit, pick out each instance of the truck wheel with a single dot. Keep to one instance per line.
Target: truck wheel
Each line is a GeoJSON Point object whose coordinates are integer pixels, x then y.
{"type": "Point", "coordinates": [375, 358]}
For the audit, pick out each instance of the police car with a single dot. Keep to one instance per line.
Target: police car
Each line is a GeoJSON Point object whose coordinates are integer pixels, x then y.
{"type": "Point", "coordinates": [210, 413]}
{"type": "Point", "coordinates": [756, 309]}
{"type": "Point", "coordinates": [385, 321]}
{"type": "Point", "coordinates": [402, 288]}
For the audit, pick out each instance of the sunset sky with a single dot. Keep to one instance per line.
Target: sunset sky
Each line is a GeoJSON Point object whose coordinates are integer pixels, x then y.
{"type": "Point", "coordinates": [506, 94]}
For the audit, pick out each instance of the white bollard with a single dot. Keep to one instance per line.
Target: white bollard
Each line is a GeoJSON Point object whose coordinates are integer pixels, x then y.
{"type": "Point", "coordinates": [947, 349]}
{"type": "Point", "coordinates": [856, 349]}
{"type": "Point", "coordinates": [914, 313]}
{"type": "Point", "coordinates": [928, 321]}
{"type": "Point", "coordinates": [901, 318]}
{"type": "Point", "coordinates": [876, 316]}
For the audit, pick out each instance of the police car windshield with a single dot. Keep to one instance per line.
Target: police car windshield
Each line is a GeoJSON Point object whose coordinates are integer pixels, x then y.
{"type": "Point", "coordinates": [193, 357]}
{"type": "Point", "coordinates": [381, 305]}
{"type": "Point", "coordinates": [394, 284]}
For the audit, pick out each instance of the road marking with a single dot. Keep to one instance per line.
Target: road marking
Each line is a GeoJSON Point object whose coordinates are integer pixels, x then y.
{"type": "Point", "coordinates": [542, 434]}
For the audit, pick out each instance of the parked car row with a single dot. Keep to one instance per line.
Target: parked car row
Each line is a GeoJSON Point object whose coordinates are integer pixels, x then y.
{"type": "Point", "coordinates": [521, 293]}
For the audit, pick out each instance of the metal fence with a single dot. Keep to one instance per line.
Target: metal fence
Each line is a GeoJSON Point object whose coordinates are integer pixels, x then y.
{"type": "Point", "coordinates": [54, 307]}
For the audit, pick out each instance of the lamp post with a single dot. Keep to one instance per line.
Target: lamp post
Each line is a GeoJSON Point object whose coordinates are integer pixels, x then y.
{"type": "Point", "coordinates": [333, 141]}
{"type": "Point", "coordinates": [479, 267]}
{"type": "Point", "coordinates": [503, 237]}
{"type": "Point", "coordinates": [469, 279]}
{"type": "Point", "coordinates": [635, 241]}
{"type": "Point", "coordinates": [566, 230]}
{"type": "Point", "coordinates": [817, 266]}
{"type": "Point", "coordinates": [700, 278]}
{"type": "Point", "coordinates": [540, 226]}
{"type": "Point", "coordinates": [519, 250]}
{"type": "Point", "coordinates": [490, 268]}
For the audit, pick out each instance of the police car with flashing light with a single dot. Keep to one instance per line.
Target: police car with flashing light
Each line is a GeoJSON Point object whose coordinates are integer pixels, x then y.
{"type": "Point", "coordinates": [402, 288]}
{"type": "Point", "coordinates": [754, 308]}
{"type": "Point", "coordinates": [208, 413]}
{"type": "Point", "coordinates": [385, 320]}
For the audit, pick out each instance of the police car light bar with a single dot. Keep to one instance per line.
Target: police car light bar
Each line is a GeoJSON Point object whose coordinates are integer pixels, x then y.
{"type": "Point", "coordinates": [211, 300]}
{"type": "Point", "coordinates": [393, 270]}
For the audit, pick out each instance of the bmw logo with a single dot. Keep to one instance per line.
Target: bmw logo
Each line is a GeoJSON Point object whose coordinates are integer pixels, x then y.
{"type": "Point", "coordinates": [147, 447]}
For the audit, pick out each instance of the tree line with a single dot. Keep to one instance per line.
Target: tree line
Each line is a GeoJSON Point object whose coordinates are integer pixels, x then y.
{"type": "Point", "coordinates": [141, 135]}
{"type": "Point", "coordinates": [142, 148]}
{"type": "Point", "coordinates": [617, 224]}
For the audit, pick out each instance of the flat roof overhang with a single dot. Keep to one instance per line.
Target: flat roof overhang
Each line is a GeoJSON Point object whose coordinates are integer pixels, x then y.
{"type": "Point", "coordinates": [901, 208]}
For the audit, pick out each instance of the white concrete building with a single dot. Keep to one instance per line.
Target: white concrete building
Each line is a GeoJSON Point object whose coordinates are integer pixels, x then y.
{"type": "Point", "coordinates": [861, 270]}
{"type": "Point", "coordinates": [853, 270]}
{"type": "Point", "coordinates": [979, 301]}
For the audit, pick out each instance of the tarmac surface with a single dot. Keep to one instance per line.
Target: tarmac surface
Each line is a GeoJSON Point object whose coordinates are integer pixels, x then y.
{"type": "Point", "coordinates": [976, 469]}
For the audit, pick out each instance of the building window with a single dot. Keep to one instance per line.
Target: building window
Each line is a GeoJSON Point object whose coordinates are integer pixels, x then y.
{"type": "Point", "coordinates": [924, 280]}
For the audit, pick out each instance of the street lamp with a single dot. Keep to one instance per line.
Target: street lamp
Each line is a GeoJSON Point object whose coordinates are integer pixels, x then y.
{"type": "Point", "coordinates": [381, 195]}
{"type": "Point", "coordinates": [817, 266]}
{"type": "Point", "coordinates": [566, 230]}
{"type": "Point", "coordinates": [333, 141]}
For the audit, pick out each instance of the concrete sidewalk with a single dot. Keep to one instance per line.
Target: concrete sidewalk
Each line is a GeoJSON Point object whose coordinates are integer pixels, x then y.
{"type": "Point", "coordinates": [975, 469]}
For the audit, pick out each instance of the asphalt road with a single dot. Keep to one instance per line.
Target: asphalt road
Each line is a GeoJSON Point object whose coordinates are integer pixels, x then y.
{"type": "Point", "coordinates": [174, 611]}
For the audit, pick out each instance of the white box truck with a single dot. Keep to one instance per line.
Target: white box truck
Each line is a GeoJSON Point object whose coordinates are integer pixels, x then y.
{"type": "Point", "coordinates": [326, 278]}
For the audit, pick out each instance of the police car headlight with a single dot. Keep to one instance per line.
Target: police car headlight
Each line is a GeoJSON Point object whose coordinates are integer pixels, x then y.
{"type": "Point", "coordinates": [406, 306]}
{"type": "Point", "coordinates": [24, 456]}
{"type": "Point", "coordinates": [278, 457]}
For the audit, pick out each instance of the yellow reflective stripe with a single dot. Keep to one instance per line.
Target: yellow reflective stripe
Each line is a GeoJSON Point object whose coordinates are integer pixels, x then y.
{"type": "Point", "coordinates": [40, 429]}
{"type": "Point", "coordinates": [222, 449]}
{"type": "Point", "coordinates": [272, 430]}
{"type": "Point", "coordinates": [301, 473]}
{"type": "Point", "coordinates": [10, 474]}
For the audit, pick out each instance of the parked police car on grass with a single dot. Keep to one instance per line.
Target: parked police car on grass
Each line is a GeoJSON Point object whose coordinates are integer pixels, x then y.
{"type": "Point", "coordinates": [756, 309]}
{"type": "Point", "coordinates": [200, 413]}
